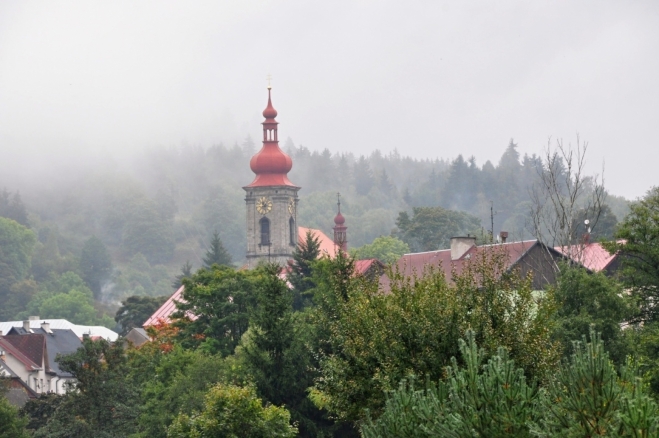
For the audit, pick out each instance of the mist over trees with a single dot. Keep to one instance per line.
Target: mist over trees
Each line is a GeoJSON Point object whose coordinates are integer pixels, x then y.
{"type": "Point", "coordinates": [127, 228]}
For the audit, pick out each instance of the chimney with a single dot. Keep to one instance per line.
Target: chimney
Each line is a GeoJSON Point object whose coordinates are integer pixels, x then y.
{"type": "Point", "coordinates": [503, 235]}
{"type": "Point", "coordinates": [26, 326]}
{"type": "Point", "coordinates": [85, 336]}
{"type": "Point", "coordinates": [460, 245]}
{"type": "Point", "coordinates": [46, 327]}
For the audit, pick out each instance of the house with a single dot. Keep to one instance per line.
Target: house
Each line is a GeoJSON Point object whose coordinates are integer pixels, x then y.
{"type": "Point", "coordinates": [25, 356]}
{"type": "Point", "coordinates": [530, 256]}
{"type": "Point", "coordinates": [31, 352]}
{"type": "Point", "coordinates": [137, 336]}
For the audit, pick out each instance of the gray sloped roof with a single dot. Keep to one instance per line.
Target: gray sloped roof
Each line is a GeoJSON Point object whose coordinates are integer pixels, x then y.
{"type": "Point", "coordinates": [60, 341]}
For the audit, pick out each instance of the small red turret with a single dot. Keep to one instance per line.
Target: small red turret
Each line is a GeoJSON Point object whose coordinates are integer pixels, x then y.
{"type": "Point", "coordinates": [340, 230]}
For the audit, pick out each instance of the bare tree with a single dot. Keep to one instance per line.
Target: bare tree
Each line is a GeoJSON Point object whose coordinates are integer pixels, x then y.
{"type": "Point", "coordinates": [563, 197]}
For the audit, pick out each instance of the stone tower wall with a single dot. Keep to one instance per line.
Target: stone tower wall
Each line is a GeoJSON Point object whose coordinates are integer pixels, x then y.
{"type": "Point", "coordinates": [280, 249]}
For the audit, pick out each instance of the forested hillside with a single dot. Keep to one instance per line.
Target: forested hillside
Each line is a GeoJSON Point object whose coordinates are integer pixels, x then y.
{"type": "Point", "coordinates": [127, 228]}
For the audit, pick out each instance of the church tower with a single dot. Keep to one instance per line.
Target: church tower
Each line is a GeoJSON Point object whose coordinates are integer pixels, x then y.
{"type": "Point", "coordinates": [271, 200]}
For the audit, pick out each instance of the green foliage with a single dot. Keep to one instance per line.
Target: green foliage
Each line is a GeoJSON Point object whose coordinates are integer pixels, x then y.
{"type": "Point", "coordinates": [275, 354]}
{"type": "Point", "coordinates": [588, 301]}
{"type": "Point", "coordinates": [186, 272]}
{"type": "Point", "coordinates": [134, 311]}
{"type": "Point", "coordinates": [95, 264]}
{"type": "Point", "coordinates": [12, 207]}
{"type": "Point", "coordinates": [477, 399]}
{"type": "Point", "coordinates": [19, 296]}
{"type": "Point", "coordinates": [220, 298]}
{"type": "Point", "coordinates": [374, 340]}
{"type": "Point", "coordinates": [66, 297]}
{"type": "Point", "coordinates": [174, 381]}
{"type": "Point", "coordinates": [588, 398]}
{"type": "Point", "coordinates": [148, 231]}
{"type": "Point", "coordinates": [431, 228]}
{"type": "Point", "coordinates": [645, 352]}
{"type": "Point", "coordinates": [102, 405]}
{"type": "Point", "coordinates": [232, 411]}
{"type": "Point", "coordinates": [12, 425]}
{"type": "Point", "coordinates": [16, 245]}
{"type": "Point", "coordinates": [387, 249]}
{"type": "Point", "coordinates": [640, 252]}
{"type": "Point", "coordinates": [216, 254]}
{"type": "Point", "coordinates": [305, 255]}
{"type": "Point", "coordinates": [39, 410]}
{"type": "Point", "coordinates": [139, 278]}
{"type": "Point", "coordinates": [47, 262]}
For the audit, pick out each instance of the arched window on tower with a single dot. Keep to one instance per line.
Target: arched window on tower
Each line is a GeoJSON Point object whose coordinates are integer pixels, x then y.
{"type": "Point", "coordinates": [265, 231]}
{"type": "Point", "coordinates": [291, 231]}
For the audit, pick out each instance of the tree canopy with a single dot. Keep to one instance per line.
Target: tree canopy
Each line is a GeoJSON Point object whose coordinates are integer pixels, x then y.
{"type": "Point", "coordinates": [387, 249]}
{"type": "Point", "coordinates": [431, 228]}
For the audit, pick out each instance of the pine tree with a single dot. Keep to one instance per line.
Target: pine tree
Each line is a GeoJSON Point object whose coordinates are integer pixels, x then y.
{"type": "Point", "coordinates": [589, 398]}
{"type": "Point", "coordinates": [276, 355]}
{"type": "Point", "coordinates": [217, 254]}
{"type": "Point", "coordinates": [300, 268]}
{"type": "Point", "coordinates": [186, 272]}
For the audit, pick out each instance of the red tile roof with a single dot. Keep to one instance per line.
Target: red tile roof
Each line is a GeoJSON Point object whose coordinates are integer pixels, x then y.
{"type": "Point", "coordinates": [28, 349]}
{"type": "Point", "coordinates": [591, 255]}
{"type": "Point", "coordinates": [417, 262]}
{"type": "Point", "coordinates": [326, 244]}
{"type": "Point", "coordinates": [362, 266]}
{"type": "Point", "coordinates": [164, 312]}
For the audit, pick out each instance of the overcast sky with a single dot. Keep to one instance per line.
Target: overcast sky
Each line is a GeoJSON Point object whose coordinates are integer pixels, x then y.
{"type": "Point", "coordinates": [430, 78]}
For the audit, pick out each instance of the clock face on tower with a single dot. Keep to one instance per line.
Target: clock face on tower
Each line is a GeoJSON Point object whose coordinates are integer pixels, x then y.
{"type": "Point", "coordinates": [263, 205]}
{"type": "Point", "coordinates": [291, 206]}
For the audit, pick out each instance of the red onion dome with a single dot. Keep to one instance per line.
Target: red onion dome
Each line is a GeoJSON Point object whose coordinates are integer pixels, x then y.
{"type": "Point", "coordinates": [269, 112]}
{"type": "Point", "coordinates": [339, 219]}
{"type": "Point", "coordinates": [271, 159]}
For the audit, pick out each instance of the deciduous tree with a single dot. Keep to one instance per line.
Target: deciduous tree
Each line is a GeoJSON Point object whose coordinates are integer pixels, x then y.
{"type": "Point", "coordinates": [220, 299]}
{"type": "Point", "coordinates": [387, 249]}
{"type": "Point", "coordinates": [638, 236]}
{"type": "Point", "coordinates": [232, 411]}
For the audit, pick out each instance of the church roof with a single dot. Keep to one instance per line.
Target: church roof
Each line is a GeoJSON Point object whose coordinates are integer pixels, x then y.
{"type": "Point", "coordinates": [327, 246]}
{"type": "Point", "coordinates": [165, 312]}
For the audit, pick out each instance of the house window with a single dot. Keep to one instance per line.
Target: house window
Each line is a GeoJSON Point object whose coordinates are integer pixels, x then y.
{"type": "Point", "coordinates": [265, 231]}
{"type": "Point", "coordinates": [291, 231]}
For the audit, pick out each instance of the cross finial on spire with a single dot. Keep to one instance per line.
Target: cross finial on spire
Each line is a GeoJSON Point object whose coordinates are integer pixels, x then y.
{"type": "Point", "coordinates": [269, 78]}
{"type": "Point", "coordinates": [338, 200]}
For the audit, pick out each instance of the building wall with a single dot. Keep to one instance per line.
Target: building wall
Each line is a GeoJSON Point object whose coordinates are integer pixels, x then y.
{"type": "Point", "coordinates": [282, 246]}
{"type": "Point", "coordinates": [542, 264]}
{"type": "Point", "coordinates": [37, 380]}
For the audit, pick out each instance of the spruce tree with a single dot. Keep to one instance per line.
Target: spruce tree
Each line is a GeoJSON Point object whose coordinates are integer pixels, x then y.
{"type": "Point", "coordinates": [217, 254]}
{"type": "Point", "coordinates": [276, 355]}
{"type": "Point", "coordinates": [300, 268]}
{"type": "Point", "coordinates": [186, 272]}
